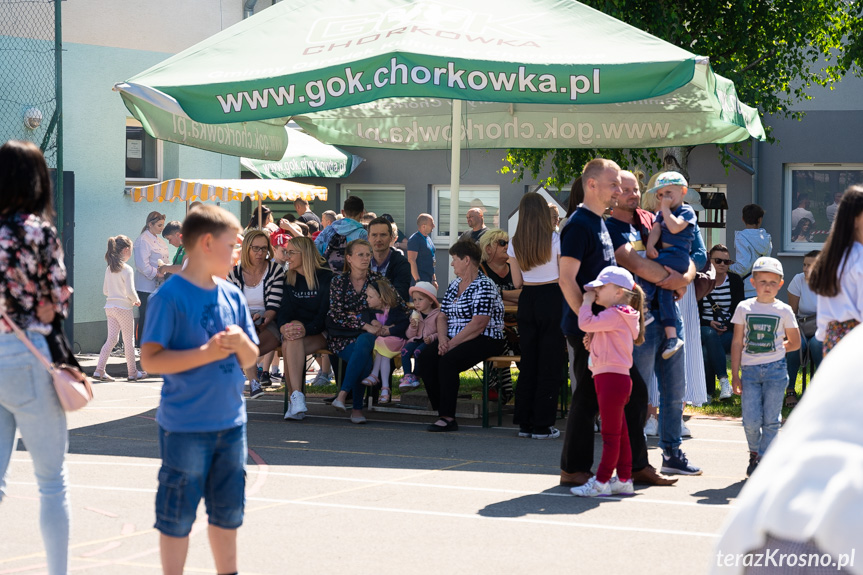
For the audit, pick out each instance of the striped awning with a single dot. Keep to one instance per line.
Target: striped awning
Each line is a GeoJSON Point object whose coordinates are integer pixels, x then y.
{"type": "Point", "coordinates": [227, 190]}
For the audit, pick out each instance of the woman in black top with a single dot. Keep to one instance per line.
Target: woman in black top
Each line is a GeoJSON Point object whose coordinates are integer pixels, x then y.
{"type": "Point", "coordinates": [305, 303]}
{"type": "Point", "coordinates": [495, 264]}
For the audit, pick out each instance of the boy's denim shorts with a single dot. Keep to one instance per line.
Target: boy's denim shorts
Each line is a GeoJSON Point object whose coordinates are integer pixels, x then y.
{"type": "Point", "coordinates": [211, 465]}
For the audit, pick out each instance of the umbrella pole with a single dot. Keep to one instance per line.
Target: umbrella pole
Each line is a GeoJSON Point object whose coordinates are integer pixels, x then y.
{"type": "Point", "coordinates": [455, 174]}
{"type": "Point", "coordinates": [260, 223]}
{"type": "Point", "coordinates": [187, 206]}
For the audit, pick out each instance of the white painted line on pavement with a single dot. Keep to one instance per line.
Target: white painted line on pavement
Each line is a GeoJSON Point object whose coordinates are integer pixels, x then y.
{"type": "Point", "coordinates": [425, 513]}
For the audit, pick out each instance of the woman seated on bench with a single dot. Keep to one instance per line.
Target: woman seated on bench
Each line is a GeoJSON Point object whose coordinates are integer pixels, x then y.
{"type": "Point", "coordinates": [470, 329]}
{"type": "Point", "coordinates": [305, 303]}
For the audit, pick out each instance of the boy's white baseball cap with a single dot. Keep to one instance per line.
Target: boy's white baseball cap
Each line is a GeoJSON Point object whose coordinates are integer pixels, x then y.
{"type": "Point", "coordinates": [771, 265]}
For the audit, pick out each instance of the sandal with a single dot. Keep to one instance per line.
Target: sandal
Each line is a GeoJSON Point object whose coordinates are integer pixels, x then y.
{"type": "Point", "coordinates": [385, 395]}
{"type": "Point", "coordinates": [371, 381]}
{"type": "Point", "coordinates": [791, 398]}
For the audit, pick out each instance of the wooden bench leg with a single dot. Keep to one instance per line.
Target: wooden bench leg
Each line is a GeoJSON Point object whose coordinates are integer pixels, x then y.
{"type": "Point", "coordinates": [486, 369]}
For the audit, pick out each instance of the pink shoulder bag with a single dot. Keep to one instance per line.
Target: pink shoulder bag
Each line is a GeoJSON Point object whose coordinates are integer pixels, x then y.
{"type": "Point", "coordinates": [74, 389]}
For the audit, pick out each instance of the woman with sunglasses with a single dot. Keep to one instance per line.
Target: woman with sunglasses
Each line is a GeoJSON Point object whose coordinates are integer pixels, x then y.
{"type": "Point", "coordinates": [150, 251]}
{"type": "Point", "coordinates": [716, 310]}
{"type": "Point", "coordinates": [262, 282]}
{"type": "Point", "coordinates": [495, 264]}
{"type": "Point", "coordinates": [302, 316]}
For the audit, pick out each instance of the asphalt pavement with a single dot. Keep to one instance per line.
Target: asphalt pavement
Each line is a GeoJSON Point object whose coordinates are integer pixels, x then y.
{"type": "Point", "coordinates": [327, 496]}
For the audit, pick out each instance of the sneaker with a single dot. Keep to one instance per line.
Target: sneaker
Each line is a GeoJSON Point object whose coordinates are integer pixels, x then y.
{"type": "Point", "coordinates": [675, 463]}
{"type": "Point", "coordinates": [684, 431]}
{"type": "Point", "coordinates": [724, 389]}
{"type": "Point", "coordinates": [275, 373]}
{"type": "Point", "coordinates": [265, 379]}
{"type": "Point", "coordinates": [260, 371]}
{"type": "Point", "coordinates": [293, 416]}
{"type": "Point", "coordinates": [545, 433]}
{"type": "Point", "coordinates": [255, 389]}
{"type": "Point", "coordinates": [298, 403]}
{"type": "Point", "coordinates": [671, 347]}
{"type": "Point", "coordinates": [409, 382]}
{"type": "Point", "coordinates": [753, 463]}
{"type": "Point", "coordinates": [652, 426]}
{"type": "Point", "coordinates": [592, 488]}
{"type": "Point", "coordinates": [525, 431]}
{"type": "Point", "coordinates": [619, 487]}
{"type": "Point", "coordinates": [320, 380]}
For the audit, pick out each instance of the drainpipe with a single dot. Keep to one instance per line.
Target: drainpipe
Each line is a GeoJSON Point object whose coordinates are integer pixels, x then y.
{"type": "Point", "coordinates": [249, 8]}
{"type": "Point", "coordinates": [752, 170]}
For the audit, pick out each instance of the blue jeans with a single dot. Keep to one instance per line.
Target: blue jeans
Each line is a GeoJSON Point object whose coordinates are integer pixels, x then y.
{"type": "Point", "coordinates": [669, 313]}
{"type": "Point", "coordinates": [410, 353]}
{"type": "Point", "coordinates": [812, 348]}
{"type": "Point", "coordinates": [763, 394]}
{"type": "Point", "coordinates": [715, 345]}
{"type": "Point", "coordinates": [211, 465]}
{"type": "Point", "coordinates": [670, 376]}
{"type": "Point", "coordinates": [28, 402]}
{"type": "Point", "coordinates": [360, 363]}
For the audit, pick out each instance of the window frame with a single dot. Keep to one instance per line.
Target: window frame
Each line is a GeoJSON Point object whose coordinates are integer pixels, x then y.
{"type": "Point", "coordinates": [345, 189]}
{"type": "Point", "coordinates": [134, 182]}
{"type": "Point", "coordinates": [441, 225]}
{"type": "Point", "coordinates": [799, 248]}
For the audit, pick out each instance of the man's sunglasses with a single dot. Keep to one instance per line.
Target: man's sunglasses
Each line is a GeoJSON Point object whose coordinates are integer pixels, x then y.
{"type": "Point", "coordinates": [722, 261]}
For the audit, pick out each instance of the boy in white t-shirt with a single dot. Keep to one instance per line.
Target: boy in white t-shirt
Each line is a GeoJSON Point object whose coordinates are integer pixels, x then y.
{"type": "Point", "coordinates": [765, 329]}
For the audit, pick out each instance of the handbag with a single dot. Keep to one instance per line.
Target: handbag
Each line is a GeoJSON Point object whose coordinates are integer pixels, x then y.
{"type": "Point", "coordinates": [74, 389]}
{"type": "Point", "coordinates": [808, 325]}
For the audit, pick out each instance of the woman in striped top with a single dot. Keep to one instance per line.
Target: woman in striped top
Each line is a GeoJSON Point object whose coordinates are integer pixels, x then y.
{"type": "Point", "coordinates": [262, 281]}
{"type": "Point", "coordinates": [716, 310]}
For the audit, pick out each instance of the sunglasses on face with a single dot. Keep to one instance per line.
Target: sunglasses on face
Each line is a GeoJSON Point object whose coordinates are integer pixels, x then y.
{"type": "Point", "coordinates": [722, 261]}
{"type": "Point", "coordinates": [502, 243]}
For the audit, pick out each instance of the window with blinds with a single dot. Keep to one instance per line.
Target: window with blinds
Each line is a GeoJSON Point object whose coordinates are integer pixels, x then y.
{"type": "Point", "coordinates": [381, 200]}
{"type": "Point", "coordinates": [486, 198]}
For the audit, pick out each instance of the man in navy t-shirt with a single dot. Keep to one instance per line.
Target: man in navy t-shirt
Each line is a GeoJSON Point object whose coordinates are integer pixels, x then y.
{"type": "Point", "coordinates": [585, 249]}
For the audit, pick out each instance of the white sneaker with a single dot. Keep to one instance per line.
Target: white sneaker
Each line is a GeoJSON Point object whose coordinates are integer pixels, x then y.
{"type": "Point", "coordinates": [652, 426]}
{"type": "Point", "coordinates": [724, 388]}
{"type": "Point", "coordinates": [321, 380]}
{"type": "Point", "coordinates": [684, 431]}
{"type": "Point", "coordinates": [293, 416]}
{"type": "Point", "coordinates": [619, 487]}
{"type": "Point", "coordinates": [592, 488]}
{"type": "Point", "coordinates": [298, 403]}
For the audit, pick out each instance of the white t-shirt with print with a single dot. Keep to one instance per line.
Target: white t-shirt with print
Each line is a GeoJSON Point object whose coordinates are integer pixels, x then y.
{"type": "Point", "coordinates": [764, 326]}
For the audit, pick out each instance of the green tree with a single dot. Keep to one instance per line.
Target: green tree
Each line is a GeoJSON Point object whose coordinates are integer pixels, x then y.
{"type": "Point", "coordinates": [773, 50]}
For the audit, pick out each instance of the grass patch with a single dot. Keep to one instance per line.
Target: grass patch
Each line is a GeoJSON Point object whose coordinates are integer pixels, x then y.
{"type": "Point", "coordinates": [731, 407]}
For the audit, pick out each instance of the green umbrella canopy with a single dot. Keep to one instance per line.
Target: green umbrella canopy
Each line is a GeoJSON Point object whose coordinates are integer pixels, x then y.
{"type": "Point", "coordinates": [305, 157]}
{"type": "Point", "coordinates": [384, 73]}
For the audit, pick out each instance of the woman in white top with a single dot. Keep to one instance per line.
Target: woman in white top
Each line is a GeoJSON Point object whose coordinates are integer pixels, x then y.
{"type": "Point", "coordinates": [150, 252]}
{"type": "Point", "coordinates": [119, 288]}
{"type": "Point", "coordinates": [533, 259]}
{"type": "Point", "coordinates": [804, 302]}
{"type": "Point", "coordinates": [837, 274]}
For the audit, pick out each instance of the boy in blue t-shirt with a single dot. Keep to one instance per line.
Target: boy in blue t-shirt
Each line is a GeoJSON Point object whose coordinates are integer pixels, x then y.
{"type": "Point", "coordinates": [669, 243]}
{"type": "Point", "coordinates": [199, 334]}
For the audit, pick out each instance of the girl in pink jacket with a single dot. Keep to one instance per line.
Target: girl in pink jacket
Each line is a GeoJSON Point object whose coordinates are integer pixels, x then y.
{"type": "Point", "coordinates": [613, 332]}
{"type": "Point", "coordinates": [422, 331]}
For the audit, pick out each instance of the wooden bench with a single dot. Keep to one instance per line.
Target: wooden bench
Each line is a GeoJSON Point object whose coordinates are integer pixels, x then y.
{"type": "Point", "coordinates": [494, 362]}
{"type": "Point", "coordinates": [506, 361]}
